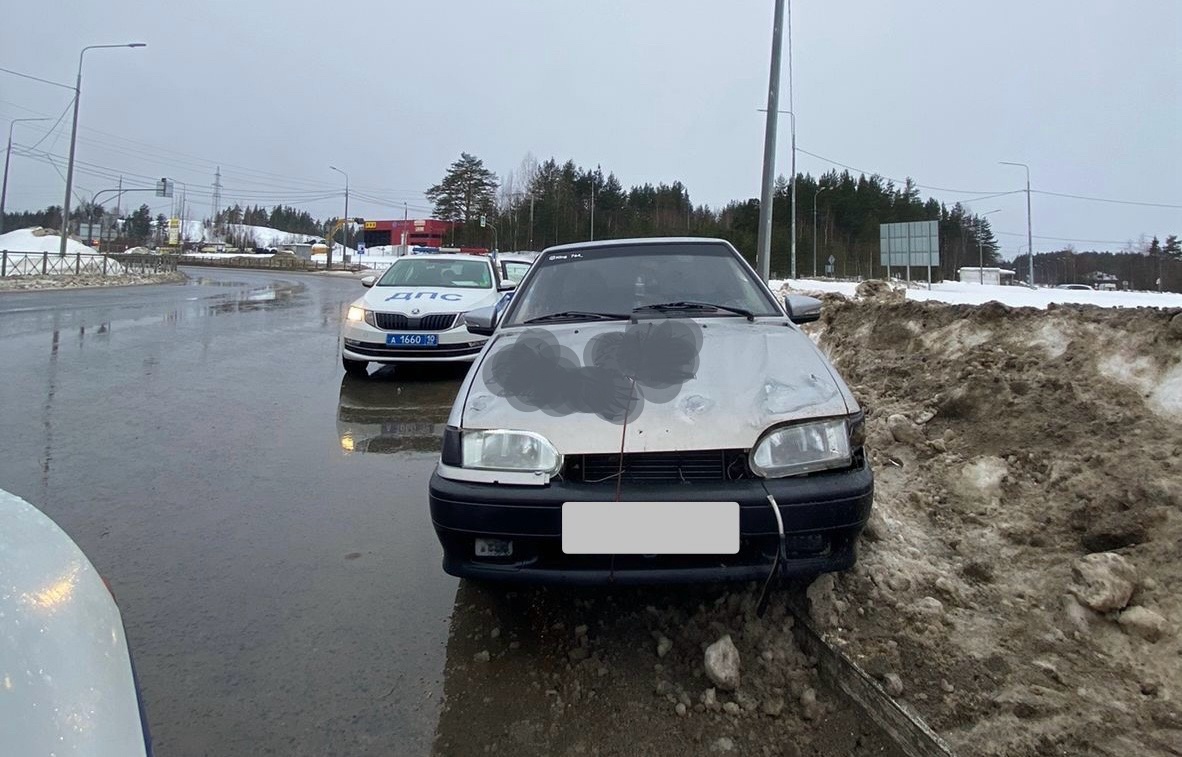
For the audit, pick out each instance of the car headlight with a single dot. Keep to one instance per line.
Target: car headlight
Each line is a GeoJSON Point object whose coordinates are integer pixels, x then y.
{"type": "Point", "coordinates": [505, 450]}
{"type": "Point", "coordinates": [355, 314]}
{"type": "Point", "coordinates": [802, 448]}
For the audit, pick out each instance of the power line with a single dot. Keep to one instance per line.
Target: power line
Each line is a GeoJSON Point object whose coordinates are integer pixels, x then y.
{"type": "Point", "coordinates": [1063, 239]}
{"type": "Point", "coordinates": [36, 78]}
{"type": "Point", "coordinates": [989, 193]}
{"type": "Point", "coordinates": [1105, 199]}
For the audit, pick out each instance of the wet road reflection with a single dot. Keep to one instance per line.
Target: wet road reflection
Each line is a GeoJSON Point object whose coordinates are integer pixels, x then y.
{"type": "Point", "coordinates": [396, 410]}
{"type": "Point", "coordinates": [280, 595]}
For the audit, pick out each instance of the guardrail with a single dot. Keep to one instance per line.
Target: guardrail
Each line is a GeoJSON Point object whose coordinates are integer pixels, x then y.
{"type": "Point", "coordinates": [15, 263]}
{"type": "Point", "coordinates": [279, 263]}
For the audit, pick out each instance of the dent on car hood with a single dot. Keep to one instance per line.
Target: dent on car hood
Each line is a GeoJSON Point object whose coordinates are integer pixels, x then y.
{"type": "Point", "coordinates": [712, 383]}
{"type": "Point", "coordinates": [66, 684]}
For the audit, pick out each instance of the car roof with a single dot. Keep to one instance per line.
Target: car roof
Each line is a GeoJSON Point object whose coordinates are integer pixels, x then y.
{"type": "Point", "coordinates": [636, 241]}
{"type": "Point", "coordinates": [445, 256]}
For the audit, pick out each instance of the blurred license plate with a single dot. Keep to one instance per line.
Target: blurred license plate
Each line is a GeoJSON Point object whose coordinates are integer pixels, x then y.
{"type": "Point", "coordinates": [650, 528]}
{"type": "Point", "coordinates": [413, 340]}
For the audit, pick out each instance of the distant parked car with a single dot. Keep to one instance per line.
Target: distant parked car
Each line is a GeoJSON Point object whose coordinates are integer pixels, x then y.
{"type": "Point", "coordinates": [1075, 286]}
{"type": "Point", "coordinates": [414, 311]}
{"type": "Point", "coordinates": [67, 684]}
{"type": "Point", "coordinates": [646, 411]}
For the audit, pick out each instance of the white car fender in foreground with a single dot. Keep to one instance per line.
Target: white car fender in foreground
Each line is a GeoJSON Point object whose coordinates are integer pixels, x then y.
{"type": "Point", "coordinates": [66, 681]}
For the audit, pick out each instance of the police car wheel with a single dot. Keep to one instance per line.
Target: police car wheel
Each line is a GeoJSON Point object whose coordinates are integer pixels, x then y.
{"type": "Point", "coordinates": [355, 367]}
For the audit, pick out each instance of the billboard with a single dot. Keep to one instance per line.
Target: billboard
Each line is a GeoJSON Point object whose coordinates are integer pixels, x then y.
{"type": "Point", "coordinates": [912, 243]}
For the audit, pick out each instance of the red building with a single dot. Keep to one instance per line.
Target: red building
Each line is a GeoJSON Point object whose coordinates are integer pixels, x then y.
{"type": "Point", "coordinates": [418, 233]}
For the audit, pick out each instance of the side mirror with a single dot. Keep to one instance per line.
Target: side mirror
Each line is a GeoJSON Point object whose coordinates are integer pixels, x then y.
{"type": "Point", "coordinates": [481, 321]}
{"type": "Point", "coordinates": [802, 309]}
{"type": "Point", "coordinates": [508, 285]}
{"type": "Point", "coordinates": [368, 281]}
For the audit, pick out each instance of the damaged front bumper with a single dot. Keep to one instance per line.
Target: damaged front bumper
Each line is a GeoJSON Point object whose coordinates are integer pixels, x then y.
{"type": "Point", "coordinates": [823, 514]}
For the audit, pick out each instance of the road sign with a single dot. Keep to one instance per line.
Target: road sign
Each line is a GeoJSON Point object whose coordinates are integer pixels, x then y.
{"type": "Point", "coordinates": [912, 243]}
{"type": "Point", "coordinates": [908, 244]}
{"type": "Point", "coordinates": [360, 246]}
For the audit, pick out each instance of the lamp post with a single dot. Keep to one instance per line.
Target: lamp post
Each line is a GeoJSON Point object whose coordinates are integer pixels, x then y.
{"type": "Point", "coordinates": [74, 138]}
{"type": "Point", "coordinates": [981, 248]}
{"type": "Point", "coordinates": [763, 251]}
{"type": "Point", "coordinates": [345, 218]}
{"type": "Point", "coordinates": [8, 157]}
{"type": "Point", "coordinates": [1029, 232]}
{"type": "Point", "coordinates": [815, 195]}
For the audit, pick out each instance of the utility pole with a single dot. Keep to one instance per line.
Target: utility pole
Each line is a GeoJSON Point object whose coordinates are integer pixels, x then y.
{"type": "Point", "coordinates": [593, 207]}
{"type": "Point", "coordinates": [8, 157]}
{"type": "Point", "coordinates": [815, 196]}
{"type": "Point", "coordinates": [217, 194]}
{"type": "Point", "coordinates": [531, 222]}
{"type": "Point", "coordinates": [345, 219]}
{"type": "Point", "coordinates": [764, 243]}
{"type": "Point", "coordinates": [65, 234]}
{"type": "Point", "coordinates": [792, 110]}
{"type": "Point", "coordinates": [1029, 231]}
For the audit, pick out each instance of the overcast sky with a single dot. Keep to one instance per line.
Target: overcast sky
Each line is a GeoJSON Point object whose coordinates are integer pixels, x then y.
{"type": "Point", "coordinates": [1089, 93]}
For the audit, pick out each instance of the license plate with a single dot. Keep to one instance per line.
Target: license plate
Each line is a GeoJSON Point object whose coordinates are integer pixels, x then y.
{"type": "Point", "coordinates": [412, 340]}
{"type": "Point", "coordinates": [650, 528]}
{"type": "Point", "coordinates": [494, 548]}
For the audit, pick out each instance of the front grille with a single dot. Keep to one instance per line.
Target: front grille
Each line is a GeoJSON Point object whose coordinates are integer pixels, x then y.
{"type": "Point", "coordinates": [695, 465]}
{"type": "Point", "coordinates": [377, 350]}
{"type": "Point", "coordinates": [400, 322]}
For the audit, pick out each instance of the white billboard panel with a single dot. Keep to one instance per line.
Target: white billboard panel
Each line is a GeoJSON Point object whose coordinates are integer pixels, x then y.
{"type": "Point", "coordinates": [911, 243]}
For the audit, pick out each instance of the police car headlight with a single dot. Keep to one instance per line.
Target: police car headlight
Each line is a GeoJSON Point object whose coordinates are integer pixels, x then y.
{"type": "Point", "coordinates": [505, 450]}
{"type": "Point", "coordinates": [356, 314]}
{"type": "Point", "coordinates": [802, 448]}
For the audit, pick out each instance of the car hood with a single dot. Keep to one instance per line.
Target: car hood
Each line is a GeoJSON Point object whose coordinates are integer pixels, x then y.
{"type": "Point", "coordinates": [66, 685]}
{"type": "Point", "coordinates": [748, 376]}
{"type": "Point", "coordinates": [401, 299]}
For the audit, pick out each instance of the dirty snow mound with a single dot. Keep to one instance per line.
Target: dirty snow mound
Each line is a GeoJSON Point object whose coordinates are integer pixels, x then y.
{"type": "Point", "coordinates": [1020, 573]}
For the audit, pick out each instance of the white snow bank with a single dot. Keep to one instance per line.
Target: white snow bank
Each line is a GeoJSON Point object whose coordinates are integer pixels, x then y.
{"type": "Point", "coordinates": [37, 239]}
{"type": "Point", "coordinates": [961, 293]}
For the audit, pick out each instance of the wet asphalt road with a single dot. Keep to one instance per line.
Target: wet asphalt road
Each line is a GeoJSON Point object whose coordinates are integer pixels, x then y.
{"type": "Point", "coordinates": [281, 588]}
{"type": "Point", "coordinates": [264, 524]}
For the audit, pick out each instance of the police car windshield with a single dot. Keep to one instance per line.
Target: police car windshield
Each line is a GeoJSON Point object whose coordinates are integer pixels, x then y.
{"type": "Point", "coordinates": [425, 272]}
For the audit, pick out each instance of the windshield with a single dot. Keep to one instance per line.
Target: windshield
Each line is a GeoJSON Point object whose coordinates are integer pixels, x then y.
{"type": "Point", "coordinates": [428, 272]}
{"type": "Point", "coordinates": [514, 269]}
{"type": "Point", "coordinates": [621, 279]}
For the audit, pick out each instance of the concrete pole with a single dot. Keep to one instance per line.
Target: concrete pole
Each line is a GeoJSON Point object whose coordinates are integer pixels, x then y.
{"type": "Point", "coordinates": [764, 243]}
{"type": "Point", "coordinates": [1029, 226]}
{"type": "Point", "coordinates": [8, 157]}
{"type": "Point", "coordinates": [74, 141]}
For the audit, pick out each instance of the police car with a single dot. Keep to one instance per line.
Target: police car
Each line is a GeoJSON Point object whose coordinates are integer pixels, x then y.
{"type": "Point", "coordinates": [414, 311]}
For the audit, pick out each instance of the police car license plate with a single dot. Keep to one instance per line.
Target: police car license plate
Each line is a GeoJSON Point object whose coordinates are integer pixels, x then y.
{"type": "Point", "coordinates": [412, 340]}
{"type": "Point", "coordinates": [650, 528]}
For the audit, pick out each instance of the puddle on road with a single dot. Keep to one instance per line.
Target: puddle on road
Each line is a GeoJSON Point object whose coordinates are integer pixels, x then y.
{"type": "Point", "coordinates": [395, 410]}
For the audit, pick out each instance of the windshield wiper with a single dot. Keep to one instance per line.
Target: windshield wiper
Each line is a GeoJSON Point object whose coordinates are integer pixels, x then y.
{"type": "Point", "coordinates": [689, 305]}
{"type": "Point", "coordinates": [578, 315]}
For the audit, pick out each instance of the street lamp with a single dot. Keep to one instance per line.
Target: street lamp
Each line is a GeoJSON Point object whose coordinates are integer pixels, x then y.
{"type": "Point", "coordinates": [7, 157]}
{"type": "Point", "coordinates": [981, 248]}
{"type": "Point", "coordinates": [764, 244]}
{"type": "Point", "coordinates": [73, 139]}
{"type": "Point", "coordinates": [345, 218]}
{"type": "Point", "coordinates": [815, 194]}
{"type": "Point", "coordinates": [1029, 232]}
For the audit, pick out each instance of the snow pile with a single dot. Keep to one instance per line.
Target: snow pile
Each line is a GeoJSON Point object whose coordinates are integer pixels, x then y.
{"type": "Point", "coordinates": [38, 239]}
{"type": "Point", "coordinates": [1011, 448]}
{"type": "Point", "coordinates": [963, 293]}
{"type": "Point", "coordinates": [35, 252]}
